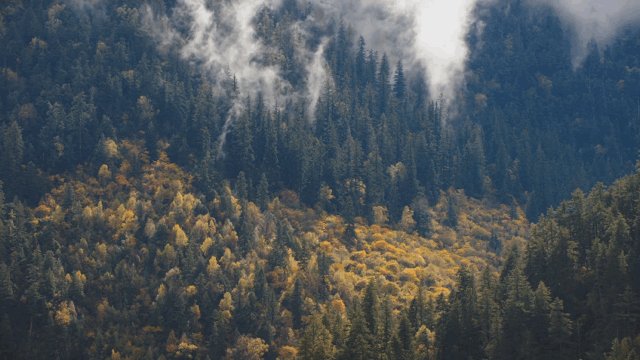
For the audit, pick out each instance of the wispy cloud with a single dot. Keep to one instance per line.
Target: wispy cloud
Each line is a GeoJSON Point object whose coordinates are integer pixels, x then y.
{"type": "Point", "coordinates": [430, 34]}
{"type": "Point", "coordinates": [593, 20]}
{"type": "Point", "coordinates": [220, 38]}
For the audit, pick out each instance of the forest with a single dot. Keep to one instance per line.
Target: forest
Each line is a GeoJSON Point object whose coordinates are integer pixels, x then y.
{"type": "Point", "coordinates": [381, 222]}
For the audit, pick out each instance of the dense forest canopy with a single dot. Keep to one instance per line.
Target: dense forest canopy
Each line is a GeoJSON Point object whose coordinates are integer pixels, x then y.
{"type": "Point", "coordinates": [271, 179]}
{"type": "Point", "coordinates": [73, 76]}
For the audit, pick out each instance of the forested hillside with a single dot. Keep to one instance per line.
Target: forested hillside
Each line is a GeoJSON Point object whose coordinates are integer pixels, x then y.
{"type": "Point", "coordinates": [572, 289]}
{"type": "Point", "coordinates": [127, 259]}
{"type": "Point", "coordinates": [71, 77]}
{"type": "Point", "coordinates": [151, 207]}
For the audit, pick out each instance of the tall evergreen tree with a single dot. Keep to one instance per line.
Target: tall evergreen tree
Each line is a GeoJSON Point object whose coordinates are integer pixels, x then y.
{"type": "Point", "coordinates": [316, 343]}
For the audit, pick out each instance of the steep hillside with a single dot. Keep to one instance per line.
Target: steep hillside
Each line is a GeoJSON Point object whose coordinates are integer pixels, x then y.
{"type": "Point", "coordinates": [573, 292]}
{"type": "Point", "coordinates": [75, 72]}
{"type": "Point", "coordinates": [127, 259]}
{"type": "Point", "coordinates": [293, 179]}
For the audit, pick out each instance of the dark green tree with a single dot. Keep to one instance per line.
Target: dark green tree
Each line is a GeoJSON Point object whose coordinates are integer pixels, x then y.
{"type": "Point", "coordinates": [316, 342]}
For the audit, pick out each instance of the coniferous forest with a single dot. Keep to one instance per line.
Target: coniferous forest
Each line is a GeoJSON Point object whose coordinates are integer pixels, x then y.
{"type": "Point", "coordinates": [152, 209]}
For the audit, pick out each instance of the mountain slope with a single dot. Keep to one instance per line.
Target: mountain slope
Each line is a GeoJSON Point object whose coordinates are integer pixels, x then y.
{"type": "Point", "coordinates": [126, 255]}
{"type": "Point", "coordinates": [526, 126]}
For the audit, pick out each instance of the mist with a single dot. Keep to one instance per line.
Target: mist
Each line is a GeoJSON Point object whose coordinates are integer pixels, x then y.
{"type": "Point", "coordinates": [426, 34]}
{"type": "Point", "coordinates": [220, 39]}
{"type": "Point", "coordinates": [85, 4]}
{"type": "Point", "coordinates": [317, 78]}
{"type": "Point", "coordinates": [223, 43]}
{"type": "Point", "coordinates": [593, 20]}
{"type": "Point", "coordinates": [440, 42]}
{"type": "Point", "coordinates": [88, 7]}
{"type": "Point", "coordinates": [429, 35]}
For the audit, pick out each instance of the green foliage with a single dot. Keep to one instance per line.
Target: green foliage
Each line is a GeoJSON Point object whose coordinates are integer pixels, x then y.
{"type": "Point", "coordinates": [316, 343]}
{"type": "Point", "coordinates": [59, 103]}
{"type": "Point", "coordinates": [98, 250]}
{"type": "Point", "coordinates": [125, 232]}
{"type": "Point", "coordinates": [625, 349]}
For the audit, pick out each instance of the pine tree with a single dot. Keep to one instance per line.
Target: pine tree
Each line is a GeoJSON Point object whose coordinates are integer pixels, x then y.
{"type": "Point", "coordinates": [2, 199]}
{"type": "Point", "coordinates": [316, 342]}
{"type": "Point", "coordinates": [371, 308]}
{"type": "Point", "coordinates": [405, 339]}
{"type": "Point", "coordinates": [625, 349]}
{"type": "Point", "coordinates": [383, 85]}
{"type": "Point", "coordinates": [515, 337]}
{"type": "Point", "coordinates": [360, 66]}
{"type": "Point", "coordinates": [6, 287]}
{"type": "Point", "coordinates": [11, 156]}
{"type": "Point", "coordinates": [560, 330]}
{"type": "Point", "coordinates": [540, 320]}
{"type": "Point", "coordinates": [459, 335]}
{"type": "Point", "coordinates": [627, 312]}
{"type": "Point", "coordinates": [388, 325]}
{"type": "Point", "coordinates": [7, 331]}
{"type": "Point", "coordinates": [296, 304]}
{"type": "Point", "coordinates": [240, 152]}
{"type": "Point", "coordinates": [488, 311]}
{"type": "Point", "coordinates": [242, 187]}
{"type": "Point", "coordinates": [420, 208]}
{"type": "Point", "coordinates": [417, 310]}
{"type": "Point", "coordinates": [399, 86]}
{"type": "Point", "coordinates": [263, 196]}
{"type": "Point", "coordinates": [12, 146]}
{"type": "Point", "coordinates": [359, 343]}
{"type": "Point", "coordinates": [349, 237]}
{"type": "Point", "coordinates": [220, 333]}
{"type": "Point", "coordinates": [281, 244]}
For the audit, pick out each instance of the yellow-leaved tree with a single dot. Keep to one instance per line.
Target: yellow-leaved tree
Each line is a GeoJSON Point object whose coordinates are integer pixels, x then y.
{"type": "Point", "coordinates": [181, 238]}
{"type": "Point", "coordinates": [407, 223]}
{"type": "Point", "coordinates": [247, 348]}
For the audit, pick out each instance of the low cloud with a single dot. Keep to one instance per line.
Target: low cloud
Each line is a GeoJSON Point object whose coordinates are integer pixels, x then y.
{"type": "Point", "coordinates": [220, 38]}
{"type": "Point", "coordinates": [593, 20]}
{"type": "Point", "coordinates": [430, 34]}
{"type": "Point", "coordinates": [317, 78]}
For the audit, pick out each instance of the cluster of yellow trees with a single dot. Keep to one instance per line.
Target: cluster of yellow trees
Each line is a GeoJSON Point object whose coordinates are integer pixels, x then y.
{"type": "Point", "coordinates": [135, 239]}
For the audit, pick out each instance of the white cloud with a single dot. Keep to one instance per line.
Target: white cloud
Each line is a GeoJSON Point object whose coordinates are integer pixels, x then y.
{"type": "Point", "coordinates": [220, 38]}
{"type": "Point", "coordinates": [224, 41]}
{"type": "Point", "coordinates": [317, 77]}
{"type": "Point", "coordinates": [426, 33]}
{"type": "Point", "coordinates": [430, 34]}
{"type": "Point", "coordinates": [441, 28]}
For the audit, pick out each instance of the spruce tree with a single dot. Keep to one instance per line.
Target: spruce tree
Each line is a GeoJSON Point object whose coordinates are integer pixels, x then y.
{"type": "Point", "coordinates": [316, 342]}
